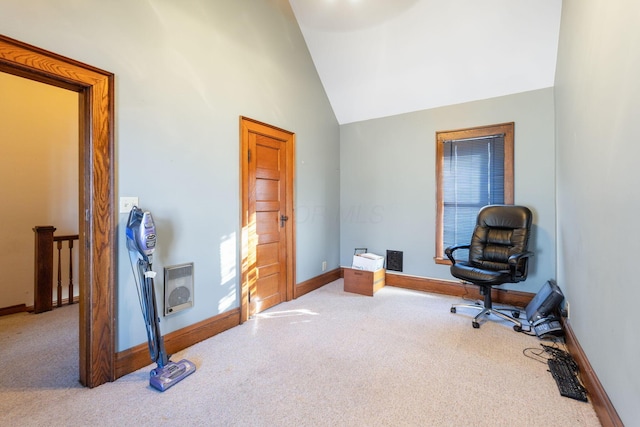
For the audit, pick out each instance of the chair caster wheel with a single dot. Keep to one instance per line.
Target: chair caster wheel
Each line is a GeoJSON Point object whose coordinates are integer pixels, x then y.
{"type": "Point", "coordinates": [517, 328]}
{"type": "Point", "coordinates": [453, 309]}
{"type": "Point", "coordinates": [516, 314]}
{"type": "Point", "coordinates": [476, 325]}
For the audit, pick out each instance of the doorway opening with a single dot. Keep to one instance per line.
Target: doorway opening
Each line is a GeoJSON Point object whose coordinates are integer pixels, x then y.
{"type": "Point", "coordinates": [95, 88]}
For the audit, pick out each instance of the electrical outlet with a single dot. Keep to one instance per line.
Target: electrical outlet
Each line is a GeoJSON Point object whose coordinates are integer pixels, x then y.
{"type": "Point", "coordinates": [127, 203]}
{"type": "Point", "coordinates": [564, 312]}
{"type": "Point", "coordinates": [324, 265]}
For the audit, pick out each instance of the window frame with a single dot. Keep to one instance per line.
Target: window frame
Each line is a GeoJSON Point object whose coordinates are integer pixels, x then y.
{"type": "Point", "coordinates": [476, 132]}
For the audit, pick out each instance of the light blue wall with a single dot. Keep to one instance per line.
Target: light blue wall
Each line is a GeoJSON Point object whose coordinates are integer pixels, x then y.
{"type": "Point", "coordinates": [388, 180]}
{"type": "Point", "coordinates": [185, 71]}
{"type": "Point", "coordinates": [597, 113]}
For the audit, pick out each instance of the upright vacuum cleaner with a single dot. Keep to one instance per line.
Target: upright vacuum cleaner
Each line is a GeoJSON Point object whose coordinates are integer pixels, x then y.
{"type": "Point", "coordinates": [141, 241]}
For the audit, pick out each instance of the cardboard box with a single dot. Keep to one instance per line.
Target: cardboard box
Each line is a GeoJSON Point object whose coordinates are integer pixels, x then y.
{"type": "Point", "coordinates": [368, 262]}
{"type": "Point", "coordinates": [363, 282]}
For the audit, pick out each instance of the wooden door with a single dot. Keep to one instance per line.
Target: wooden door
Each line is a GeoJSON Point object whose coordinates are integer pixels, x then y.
{"type": "Point", "coordinates": [268, 225]}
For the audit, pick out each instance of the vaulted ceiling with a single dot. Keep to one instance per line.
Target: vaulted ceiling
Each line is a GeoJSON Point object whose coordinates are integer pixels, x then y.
{"type": "Point", "coordinates": [378, 58]}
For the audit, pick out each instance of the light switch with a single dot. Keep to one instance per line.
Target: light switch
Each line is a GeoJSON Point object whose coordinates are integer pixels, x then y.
{"type": "Point", "coordinates": [127, 203]}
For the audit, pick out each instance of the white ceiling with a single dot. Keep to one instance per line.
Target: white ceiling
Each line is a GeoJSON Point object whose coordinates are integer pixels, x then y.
{"type": "Point", "coordinates": [378, 58]}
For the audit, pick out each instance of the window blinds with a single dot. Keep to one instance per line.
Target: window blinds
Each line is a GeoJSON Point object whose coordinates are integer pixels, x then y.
{"type": "Point", "coordinates": [473, 177]}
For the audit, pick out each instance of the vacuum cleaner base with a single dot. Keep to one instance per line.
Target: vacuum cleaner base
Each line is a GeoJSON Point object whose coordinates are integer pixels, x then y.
{"type": "Point", "coordinates": [170, 374]}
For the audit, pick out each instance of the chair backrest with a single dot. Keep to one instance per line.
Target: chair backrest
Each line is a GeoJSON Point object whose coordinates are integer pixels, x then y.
{"type": "Point", "coordinates": [500, 231]}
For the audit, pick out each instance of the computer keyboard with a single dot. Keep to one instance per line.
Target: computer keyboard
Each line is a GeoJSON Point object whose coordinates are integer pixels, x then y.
{"type": "Point", "coordinates": [564, 371]}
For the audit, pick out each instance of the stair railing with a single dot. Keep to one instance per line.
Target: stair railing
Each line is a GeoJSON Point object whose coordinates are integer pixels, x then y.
{"type": "Point", "coordinates": [43, 274]}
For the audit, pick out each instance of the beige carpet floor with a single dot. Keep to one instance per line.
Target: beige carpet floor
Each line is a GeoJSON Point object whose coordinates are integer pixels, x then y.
{"type": "Point", "coordinates": [329, 358]}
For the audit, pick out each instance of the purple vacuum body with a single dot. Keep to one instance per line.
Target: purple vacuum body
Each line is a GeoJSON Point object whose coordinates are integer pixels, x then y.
{"type": "Point", "coordinates": [141, 240]}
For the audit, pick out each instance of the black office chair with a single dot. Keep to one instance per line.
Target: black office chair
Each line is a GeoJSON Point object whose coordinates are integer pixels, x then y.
{"type": "Point", "coordinates": [497, 254]}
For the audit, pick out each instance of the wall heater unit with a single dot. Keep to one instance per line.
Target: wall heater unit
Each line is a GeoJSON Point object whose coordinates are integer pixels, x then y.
{"type": "Point", "coordinates": [178, 288]}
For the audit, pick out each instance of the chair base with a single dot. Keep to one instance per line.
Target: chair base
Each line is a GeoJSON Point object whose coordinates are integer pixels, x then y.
{"type": "Point", "coordinates": [487, 311]}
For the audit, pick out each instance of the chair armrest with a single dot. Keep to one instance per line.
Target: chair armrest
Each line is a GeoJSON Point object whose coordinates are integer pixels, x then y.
{"type": "Point", "coordinates": [515, 259]}
{"type": "Point", "coordinates": [451, 249]}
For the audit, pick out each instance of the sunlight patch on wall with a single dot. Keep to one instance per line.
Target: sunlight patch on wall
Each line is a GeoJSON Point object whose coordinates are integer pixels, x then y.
{"type": "Point", "coordinates": [228, 272]}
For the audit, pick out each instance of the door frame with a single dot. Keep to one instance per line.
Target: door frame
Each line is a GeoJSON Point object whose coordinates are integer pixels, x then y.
{"type": "Point", "coordinates": [95, 88]}
{"type": "Point", "coordinates": [248, 125]}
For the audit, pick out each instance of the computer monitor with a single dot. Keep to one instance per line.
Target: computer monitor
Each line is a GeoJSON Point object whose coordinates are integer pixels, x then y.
{"type": "Point", "coordinates": [545, 302]}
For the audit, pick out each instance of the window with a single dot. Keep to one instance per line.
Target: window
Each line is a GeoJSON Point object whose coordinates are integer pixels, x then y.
{"type": "Point", "coordinates": [474, 168]}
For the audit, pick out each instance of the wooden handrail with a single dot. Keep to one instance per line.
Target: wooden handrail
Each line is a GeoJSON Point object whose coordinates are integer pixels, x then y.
{"type": "Point", "coordinates": [43, 275]}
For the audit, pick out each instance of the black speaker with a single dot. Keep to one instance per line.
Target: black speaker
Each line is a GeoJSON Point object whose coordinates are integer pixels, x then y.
{"type": "Point", "coordinates": [546, 301]}
{"type": "Point", "coordinates": [394, 260]}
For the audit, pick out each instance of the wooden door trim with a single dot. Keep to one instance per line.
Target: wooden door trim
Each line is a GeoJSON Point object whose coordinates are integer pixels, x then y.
{"type": "Point", "coordinates": [96, 217]}
{"type": "Point", "coordinates": [249, 125]}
